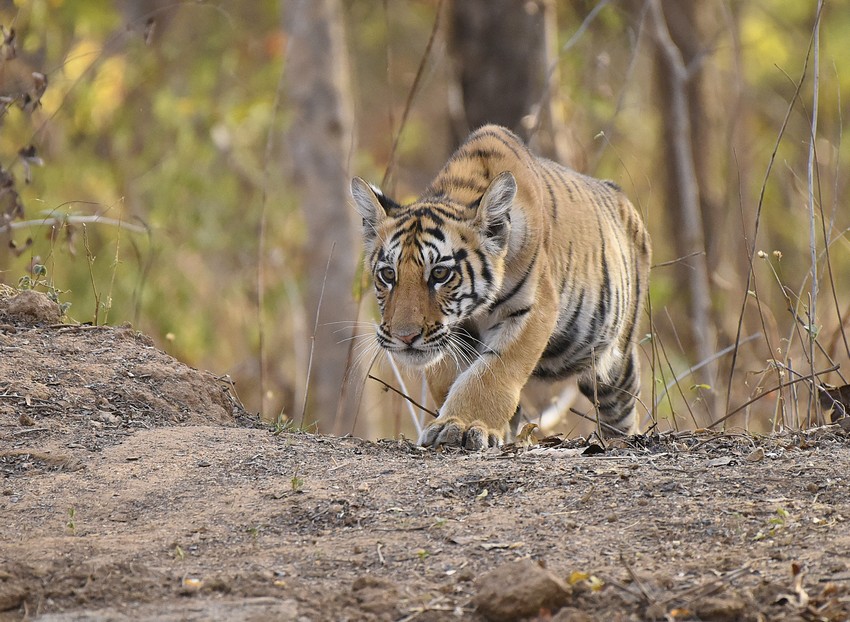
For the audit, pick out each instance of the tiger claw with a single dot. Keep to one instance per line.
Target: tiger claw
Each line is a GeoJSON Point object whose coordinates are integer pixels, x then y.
{"type": "Point", "coordinates": [474, 437]}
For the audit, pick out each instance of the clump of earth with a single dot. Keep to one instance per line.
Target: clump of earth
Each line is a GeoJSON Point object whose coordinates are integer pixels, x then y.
{"type": "Point", "coordinates": [135, 487]}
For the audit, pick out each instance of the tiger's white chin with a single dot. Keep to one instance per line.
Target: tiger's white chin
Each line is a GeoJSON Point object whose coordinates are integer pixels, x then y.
{"type": "Point", "coordinates": [417, 358]}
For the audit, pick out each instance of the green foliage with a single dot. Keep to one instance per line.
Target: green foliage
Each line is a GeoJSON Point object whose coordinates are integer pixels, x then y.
{"type": "Point", "coordinates": [165, 130]}
{"type": "Point", "coordinates": [37, 279]}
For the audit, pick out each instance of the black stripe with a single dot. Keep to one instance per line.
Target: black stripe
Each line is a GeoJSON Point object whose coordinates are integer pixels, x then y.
{"type": "Point", "coordinates": [518, 313]}
{"type": "Point", "coordinates": [435, 211]}
{"type": "Point", "coordinates": [553, 205]}
{"type": "Point", "coordinates": [435, 232]}
{"type": "Point", "coordinates": [503, 135]}
{"type": "Point", "coordinates": [469, 153]}
{"type": "Point", "coordinates": [605, 294]}
{"type": "Point", "coordinates": [453, 182]}
{"type": "Point", "coordinates": [560, 172]}
{"type": "Point", "coordinates": [431, 245]}
{"type": "Point", "coordinates": [503, 299]}
{"type": "Point", "coordinates": [485, 271]}
{"type": "Point", "coordinates": [568, 336]}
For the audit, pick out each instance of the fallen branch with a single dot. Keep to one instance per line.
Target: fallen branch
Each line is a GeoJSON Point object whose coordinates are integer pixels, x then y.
{"type": "Point", "coordinates": [407, 397]}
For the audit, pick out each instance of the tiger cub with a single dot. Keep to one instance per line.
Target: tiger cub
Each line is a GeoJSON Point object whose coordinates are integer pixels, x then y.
{"type": "Point", "coordinates": [508, 266]}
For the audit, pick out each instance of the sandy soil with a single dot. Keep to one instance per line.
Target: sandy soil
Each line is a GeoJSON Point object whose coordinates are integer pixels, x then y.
{"type": "Point", "coordinates": [134, 487]}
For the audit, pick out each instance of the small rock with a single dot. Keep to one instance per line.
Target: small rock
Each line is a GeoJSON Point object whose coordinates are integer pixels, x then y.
{"type": "Point", "coordinates": [519, 589]}
{"type": "Point", "coordinates": [107, 417]}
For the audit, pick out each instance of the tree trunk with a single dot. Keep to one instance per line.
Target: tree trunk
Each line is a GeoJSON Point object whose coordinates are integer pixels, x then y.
{"type": "Point", "coordinates": [320, 143]}
{"type": "Point", "coordinates": [681, 103]}
{"type": "Point", "coordinates": [505, 69]}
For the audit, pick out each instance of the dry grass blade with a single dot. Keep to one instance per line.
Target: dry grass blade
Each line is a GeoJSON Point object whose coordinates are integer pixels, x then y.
{"type": "Point", "coordinates": [313, 337]}
{"type": "Point", "coordinates": [657, 399]}
{"type": "Point", "coordinates": [261, 247]}
{"type": "Point", "coordinates": [711, 587]}
{"type": "Point", "coordinates": [636, 580]}
{"type": "Point", "coordinates": [768, 392]}
{"type": "Point", "coordinates": [413, 89]}
{"type": "Point", "coordinates": [753, 243]}
{"type": "Point", "coordinates": [814, 405]}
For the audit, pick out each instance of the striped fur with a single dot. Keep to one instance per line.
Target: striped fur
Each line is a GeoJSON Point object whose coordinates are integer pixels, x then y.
{"type": "Point", "coordinates": [508, 266]}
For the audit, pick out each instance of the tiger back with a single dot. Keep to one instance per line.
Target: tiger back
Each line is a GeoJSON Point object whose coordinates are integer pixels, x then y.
{"type": "Point", "coordinates": [508, 266]}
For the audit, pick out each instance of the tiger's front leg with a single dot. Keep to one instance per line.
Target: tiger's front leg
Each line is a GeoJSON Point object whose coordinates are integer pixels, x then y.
{"type": "Point", "coordinates": [477, 405]}
{"type": "Point", "coordinates": [476, 413]}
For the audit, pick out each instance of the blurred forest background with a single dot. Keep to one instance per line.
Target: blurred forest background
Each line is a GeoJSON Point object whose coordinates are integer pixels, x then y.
{"type": "Point", "coordinates": [184, 166]}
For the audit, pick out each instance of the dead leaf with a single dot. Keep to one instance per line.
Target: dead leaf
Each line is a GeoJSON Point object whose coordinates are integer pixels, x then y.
{"type": "Point", "coordinates": [525, 438]}
{"type": "Point", "coordinates": [592, 450]}
{"type": "Point", "coordinates": [756, 455]}
{"type": "Point", "coordinates": [576, 576]}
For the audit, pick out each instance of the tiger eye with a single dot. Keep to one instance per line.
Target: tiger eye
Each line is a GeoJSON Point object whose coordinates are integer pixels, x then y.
{"type": "Point", "coordinates": [440, 274]}
{"type": "Point", "coordinates": [387, 275]}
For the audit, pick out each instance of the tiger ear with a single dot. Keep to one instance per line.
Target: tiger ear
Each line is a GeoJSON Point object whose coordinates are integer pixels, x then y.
{"type": "Point", "coordinates": [368, 205]}
{"type": "Point", "coordinates": [494, 210]}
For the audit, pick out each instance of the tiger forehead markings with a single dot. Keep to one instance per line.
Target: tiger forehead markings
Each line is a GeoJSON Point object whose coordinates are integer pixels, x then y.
{"type": "Point", "coordinates": [508, 266]}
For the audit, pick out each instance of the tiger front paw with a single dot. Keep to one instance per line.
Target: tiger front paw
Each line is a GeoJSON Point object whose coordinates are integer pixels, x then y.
{"type": "Point", "coordinates": [452, 432]}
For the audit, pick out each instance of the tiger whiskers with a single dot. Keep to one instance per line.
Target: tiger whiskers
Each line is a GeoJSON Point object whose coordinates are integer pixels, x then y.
{"type": "Point", "coordinates": [485, 349]}
{"type": "Point", "coordinates": [460, 346]}
{"type": "Point", "coordinates": [357, 336]}
{"type": "Point", "coordinates": [350, 325]}
{"type": "Point", "coordinates": [366, 349]}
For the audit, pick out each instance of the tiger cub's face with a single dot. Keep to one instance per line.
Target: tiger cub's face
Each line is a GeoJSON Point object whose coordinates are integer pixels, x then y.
{"type": "Point", "coordinates": [435, 263]}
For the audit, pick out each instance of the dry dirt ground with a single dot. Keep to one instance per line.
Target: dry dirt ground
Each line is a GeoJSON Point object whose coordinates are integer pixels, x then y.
{"type": "Point", "coordinates": [135, 488]}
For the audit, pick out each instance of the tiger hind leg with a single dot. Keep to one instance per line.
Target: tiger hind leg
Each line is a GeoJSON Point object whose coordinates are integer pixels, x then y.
{"type": "Point", "coordinates": [614, 392]}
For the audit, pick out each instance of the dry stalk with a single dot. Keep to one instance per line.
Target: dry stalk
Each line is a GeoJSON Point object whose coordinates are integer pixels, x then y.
{"type": "Point", "coordinates": [810, 171]}
{"type": "Point", "coordinates": [413, 89]}
{"type": "Point", "coordinates": [313, 337]}
{"type": "Point", "coordinates": [779, 387]}
{"type": "Point", "coordinates": [405, 396]}
{"type": "Point", "coordinates": [752, 250]}
{"type": "Point", "coordinates": [261, 245]}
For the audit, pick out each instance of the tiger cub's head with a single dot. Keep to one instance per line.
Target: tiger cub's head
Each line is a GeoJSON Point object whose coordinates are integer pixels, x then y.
{"type": "Point", "coordinates": [435, 263]}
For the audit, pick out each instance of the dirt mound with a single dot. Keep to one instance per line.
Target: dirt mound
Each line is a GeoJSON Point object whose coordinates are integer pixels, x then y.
{"type": "Point", "coordinates": [135, 488]}
{"type": "Point", "coordinates": [99, 380]}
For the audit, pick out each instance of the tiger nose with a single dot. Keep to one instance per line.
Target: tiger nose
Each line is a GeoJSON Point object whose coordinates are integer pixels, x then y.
{"type": "Point", "coordinates": [408, 335]}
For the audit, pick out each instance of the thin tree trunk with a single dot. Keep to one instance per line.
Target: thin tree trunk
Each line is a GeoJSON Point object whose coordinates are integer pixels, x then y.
{"type": "Point", "coordinates": [684, 191]}
{"type": "Point", "coordinates": [320, 142]}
